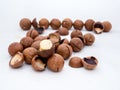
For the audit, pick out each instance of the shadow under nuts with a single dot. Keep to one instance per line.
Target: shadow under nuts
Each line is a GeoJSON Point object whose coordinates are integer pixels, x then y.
{"type": "Point", "coordinates": [64, 50]}
{"type": "Point", "coordinates": [55, 63]}
{"type": "Point", "coordinates": [76, 44]}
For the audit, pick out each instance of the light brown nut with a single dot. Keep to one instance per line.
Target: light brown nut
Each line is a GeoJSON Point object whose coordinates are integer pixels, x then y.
{"type": "Point", "coordinates": [40, 38]}
{"type": "Point", "coordinates": [32, 33]}
{"type": "Point", "coordinates": [29, 53]}
{"type": "Point", "coordinates": [78, 24]}
{"type": "Point", "coordinates": [25, 24]}
{"type": "Point", "coordinates": [44, 22]}
{"type": "Point", "coordinates": [65, 40]}
{"type": "Point", "coordinates": [89, 38]}
{"type": "Point", "coordinates": [76, 33]}
{"type": "Point", "coordinates": [55, 23]}
{"type": "Point", "coordinates": [75, 62]}
{"type": "Point", "coordinates": [63, 31]}
{"type": "Point", "coordinates": [17, 60]}
{"type": "Point", "coordinates": [36, 45]}
{"type": "Point", "coordinates": [67, 23]}
{"type": "Point", "coordinates": [90, 62]}
{"type": "Point", "coordinates": [89, 24]}
{"type": "Point", "coordinates": [107, 26]}
{"type": "Point", "coordinates": [15, 47]}
{"type": "Point", "coordinates": [55, 63]}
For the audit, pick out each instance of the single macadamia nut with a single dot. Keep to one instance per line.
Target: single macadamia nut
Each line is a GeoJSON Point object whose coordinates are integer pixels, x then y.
{"type": "Point", "coordinates": [76, 44]}
{"type": "Point", "coordinates": [26, 41]}
{"type": "Point", "coordinates": [76, 33]}
{"type": "Point", "coordinates": [46, 49]}
{"type": "Point", "coordinates": [64, 50]}
{"type": "Point", "coordinates": [107, 26]}
{"type": "Point", "coordinates": [67, 23]}
{"type": "Point", "coordinates": [78, 24]}
{"type": "Point", "coordinates": [75, 62]}
{"type": "Point", "coordinates": [63, 31]}
{"type": "Point", "coordinates": [98, 27]}
{"type": "Point", "coordinates": [25, 24]}
{"type": "Point", "coordinates": [32, 33]}
{"type": "Point", "coordinates": [89, 24]}
{"type": "Point", "coordinates": [36, 45]}
{"type": "Point", "coordinates": [17, 60]}
{"type": "Point", "coordinates": [29, 53]}
{"type": "Point", "coordinates": [55, 63]}
{"type": "Point", "coordinates": [44, 22]}
{"type": "Point", "coordinates": [55, 23]}
{"type": "Point", "coordinates": [89, 38]}
{"type": "Point", "coordinates": [90, 62]}
{"type": "Point", "coordinates": [38, 64]}
{"type": "Point", "coordinates": [14, 48]}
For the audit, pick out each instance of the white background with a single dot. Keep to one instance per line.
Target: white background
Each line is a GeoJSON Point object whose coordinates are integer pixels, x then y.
{"type": "Point", "coordinates": [106, 47]}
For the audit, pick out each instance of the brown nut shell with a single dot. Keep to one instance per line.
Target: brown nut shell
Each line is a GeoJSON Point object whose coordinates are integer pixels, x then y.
{"type": "Point", "coordinates": [55, 23]}
{"type": "Point", "coordinates": [63, 31]}
{"type": "Point", "coordinates": [65, 40]}
{"type": "Point", "coordinates": [29, 53]}
{"type": "Point", "coordinates": [90, 62]}
{"type": "Point", "coordinates": [107, 26]}
{"type": "Point", "coordinates": [32, 33]}
{"type": "Point", "coordinates": [55, 63]}
{"type": "Point", "coordinates": [67, 23]}
{"type": "Point", "coordinates": [55, 37]}
{"type": "Point", "coordinates": [25, 24]}
{"type": "Point", "coordinates": [15, 47]}
{"type": "Point", "coordinates": [36, 45]}
{"type": "Point", "coordinates": [40, 38]}
{"type": "Point", "coordinates": [64, 50]}
{"type": "Point", "coordinates": [76, 33]}
{"type": "Point", "coordinates": [75, 62]}
{"type": "Point", "coordinates": [17, 60]}
{"type": "Point", "coordinates": [35, 24]}
{"type": "Point", "coordinates": [76, 44]}
{"type": "Point", "coordinates": [78, 24]}
{"type": "Point", "coordinates": [38, 64]}
{"type": "Point", "coordinates": [44, 22]}
{"type": "Point", "coordinates": [26, 41]}
{"type": "Point", "coordinates": [89, 24]}
{"type": "Point", "coordinates": [98, 27]}
{"type": "Point", "coordinates": [89, 38]}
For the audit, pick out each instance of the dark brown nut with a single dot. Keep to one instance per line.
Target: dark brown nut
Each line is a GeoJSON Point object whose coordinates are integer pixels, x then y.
{"type": "Point", "coordinates": [55, 63]}
{"type": "Point", "coordinates": [67, 23]}
{"type": "Point", "coordinates": [40, 29]}
{"type": "Point", "coordinates": [26, 41]}
{"type": "Point", "coordinates": [55, 23]}
{"type": "Point", "coordinates": [29, 53]}
{"type": "Point", "coordinates": [89, 24]}
{"type": "Point", "coordinates": [107, 26]}
{"type": "Point", "coordinates": [90, 62]}
{"type": "Point", "coordinates": [17, 60]}
{"type": "Point", "coordinates": [75, 62]}
{"type": "Point", "coordinates": [14, 48]}
{"type": "Point", "coordinates": [65, 40]}
{"type": "Point", "coordinates": [76, 44]}
{"type": "Point", "coordinates": [44, 22]}
{"type": "Point", "coordinates": [64, 50]}
{"type": "Point", "coordinates": [76, 33]}
{"type": "Point", "coordinates": [40, 38]}
{"type": "Point", "coordinates": [78, 24]}
{"type": "Point", "coordinates": [38, 64]}
{"type": "Point", "coordinates": [35, 23]}
{"type": "Point", "coordinates": [98, 27]}
{"type": "Point", "coordinates": [63, 31]}
{"type": "Point", "coordinates": [32, 33]}
{"type": "Point", "coordinates": [25, 24]}
{"type": "Point", "coordinates": [36, 45]}
{"type": "Point", "coordinates": [89, 38]}
{"type": "Point", "coordinates": [46, 48]}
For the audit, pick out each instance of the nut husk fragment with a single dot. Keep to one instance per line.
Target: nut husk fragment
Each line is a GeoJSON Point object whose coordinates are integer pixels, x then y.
{"type": "Point", "coordinates": [98, 27]}
{"type": "Point", "coordinates": [55, 63]}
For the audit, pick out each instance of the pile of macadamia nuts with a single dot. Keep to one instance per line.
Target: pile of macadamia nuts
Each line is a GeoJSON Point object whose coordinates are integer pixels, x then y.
{"type": "Point", "coordinates": [51, 51]}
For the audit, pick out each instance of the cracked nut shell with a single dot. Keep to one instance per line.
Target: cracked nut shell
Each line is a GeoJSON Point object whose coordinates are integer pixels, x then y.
{"type": "Point", "coordinates": [98, 27]}
{"type": "Point", "coordinates": [32, 33]}
{"type": "Point", "coordinates": [78, 24]}
{"type": "Point", "coordinates": [75, 62]}
{"type": "Point", "coordinates": [15, 47]}
{"type": "Point", "coordinates": [67, 23]}
{"type": "Point", "coordinates": [29, 53]}
{"type": "Point", "coordinates": [17, 60]}
{"type": "Point", "coordinates": [55, 63]}
{"type": "Point", "coordinates": [63, 31]}
{"type": "Point", "coordinates": [107, 26]}
{"type": "Point", "coordinates": [76, 33]}
{"type": "Point", "coordinates": [90, 62]}
{"type": "Point", "coordinates": [25, 24]}
{"type": "Point", "coordinates": [89, 24]}
{"type": "Point", "coordinates": [89, 38]}
{"type": "Point", "coordinates": [65, 40]}
{"type": "Point", "coordinates": [44, 22]}
{"type": "Point", "coordinates": [64, 50]}
{"type": "Point", "coordinates": [55, 23]}
{"type": "Point", "coordinates": [76, 44]}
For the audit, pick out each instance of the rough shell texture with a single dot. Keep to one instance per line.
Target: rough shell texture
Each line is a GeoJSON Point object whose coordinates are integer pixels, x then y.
{"type": "Point", "coordinates": [67, 23]}
{"type": "Point", "coordinates": [78, 24]}
{"type": "Point", "coordinates": [89, 24]}
{"type": "Point", "coordinates": [55, 23]}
